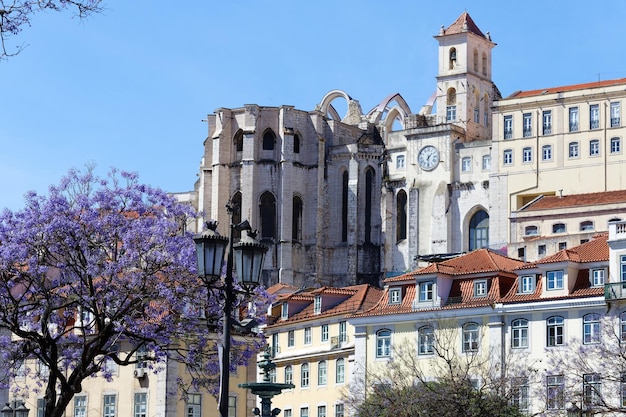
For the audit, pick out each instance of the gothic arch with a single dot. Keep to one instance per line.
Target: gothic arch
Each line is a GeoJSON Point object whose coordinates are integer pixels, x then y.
{"type": "Point", "coordinates": [377, 113]}
{"type": "Point", "coordinates": [476, 228]}
{"type": "Point", "coordinates": [326, 107]}
{"type": "Point", "coordinates": [267, 214]}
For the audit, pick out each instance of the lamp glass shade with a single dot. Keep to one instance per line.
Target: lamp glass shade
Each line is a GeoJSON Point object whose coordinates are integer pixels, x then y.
{"type": "Point", "coordinates": [210, 250]}
{"type": "Point", "coordinates": [249, 257]}
{"type": "Point", "coordinates": [6, 411]}
{"type": "Point", "coordinates": [21, 410]}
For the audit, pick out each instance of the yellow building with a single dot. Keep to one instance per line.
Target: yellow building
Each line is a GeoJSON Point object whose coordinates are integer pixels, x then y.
{"type": "Point", "coordinates": [313, 347]}
{"type": "Point", "coordinates": [554, 141]}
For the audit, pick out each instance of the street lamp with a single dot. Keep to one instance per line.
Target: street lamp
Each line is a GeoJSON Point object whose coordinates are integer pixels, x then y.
{"type": "Point", "coordinates": [247, 255]}
{"type": "Point", "coordinates": [575, 411]}
{"type": "Point", "coordinates": [266, 389]}
{"type": "Point", "coordinates": [20, 410]}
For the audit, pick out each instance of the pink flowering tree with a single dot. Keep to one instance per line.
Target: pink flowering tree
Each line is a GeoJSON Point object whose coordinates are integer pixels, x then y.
{"type": "Point", "coordinates": [17, 14]}
{"type": "Point", "coordinates": [95, 264]}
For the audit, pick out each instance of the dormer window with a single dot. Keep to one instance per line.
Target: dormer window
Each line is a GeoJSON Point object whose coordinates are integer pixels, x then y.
{"type": "Point", "coordinates": [426, 291]}
{"type": "Point", "coordinates": [480, 288]}
{"type": "Point", "coordinates": [597, 277]}
{"type": "Point", "coordinates": [317, 304]}
{"type": "Point", "coordinates": [554, 280]}
{"type": "Point", "coordinates": [284, 314]}
{"type": "Point", "coordinates": [395, 295]}
{"type": "Point", "coordinates": [526, 284]}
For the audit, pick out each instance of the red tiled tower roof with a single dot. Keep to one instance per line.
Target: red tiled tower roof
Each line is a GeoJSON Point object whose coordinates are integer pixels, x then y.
{"type": "Point", "coordinates": [464, 23]}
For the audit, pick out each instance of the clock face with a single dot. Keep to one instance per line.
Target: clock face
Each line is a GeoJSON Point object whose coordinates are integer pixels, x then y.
{"type": "Point", "coordinates": [428, 158]}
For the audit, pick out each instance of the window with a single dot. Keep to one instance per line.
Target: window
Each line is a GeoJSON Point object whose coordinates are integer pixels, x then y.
{"type": "Point", "coordinates": [238, 139]}
{"type": "Point", "coordinates": [546, 152]}
{"type": "Point", "coordinates": [321, 411]}
{"type": "Point", "coordinates": [426, 291]}
{"type": "Point", "coordinates": [304, 375]}
{"type": "Point", "coordinates": [508, 127]}
{"type": "Point", "coordinates": [547, 122]}
{"type": "Point", "coordinates": [194, 405]}
{"type": "Point", "coordinates": [321, 373]}
{"type": "Point", "coordinates": [425, 340]}
{"type": "Point", "coordinates": [486, 103]}
{"type": "Point", "coordinates": [573, 119]}
{"type": "Point", "coordinates": [528, 125]}
{"type": "Point", "coordinates": [586, 226]}
{"type": "Point", "coordinates": [452, 58]}
{"type": "Point", "coordinates": [479, 230]}
{"type": "Point", "coordinates": [591, 329]}
{"type": "Point", "coordinates": [562, 245]}
{"type": "Point", "coordinates": [304, 412]}
{"type": "Point", "coordinates": [466, 164]}
{"type": "Point", "coordinates": [80, 406]}
{"type": "Point", "coordinates": [527, 155]}
{"type": "Point", "coordinates": [507, 157]}
{"type": "Point", "coordinates": [109, 405]}
{"type": "Point", "coordinates": [284, 311]}
{"type": "Point", "coordinates": [594, 147]}
{"type": "Point", "coordinates": [340, 371]}
{"type": "Point", "coordinates": [594, 116]}
{"type": "Point", "coordinates": [343, 334]}
{"type": "Point", "coordinates": [288, 413]}
{"type": "Point", "coordinates": [520, 393]}
{"type": "Point", "coordinates": [296, 218]}
{"type": "Point", "coordinates": [344, 207]}
{"type": "Point", "coordinates": [324, 332]}
{"type": "Point", "coordinates": [531, 231]}
{"type": "Point", "coordinates": [317, 304]}
{"type": "Point", "coordinates": [268, 216]}
{"type": "Point", "coordinates": [140, 355]}
{"type": "Point", "coordinates": [554, 280]}
{"type": "Point", "coordinates": [597, 277]}
{"type": "Point", "coordinates": [541, 250]}
{"type": "Point", "coordinates": [480, 288]}
{"type": "Point", "coordinates": [573, 150]}
{"type": "Point", "coordinates": [339, 410]}
{"type": "Point", "coordinates": [296, 143]}
{"type": "Point", "coordinates": [275, 346]}
{"type": "Point", "coordinates": [592, 385]}
{"type": "Point", "coordinates": [41, 407]}
{"type": "Point", "coordinates": [521, 253]}
{"type": "Point", "coordinates": [615, 114]}
{"type": "Point", "coordinates": [556, 392]}
{"type": "Point", "coordinates": [558, 228]}
{"type": "Point", "coordinates": [401, 217]}
{"type": "Point", "coordinates": [623, 268]}
{"type": "Point", "coordinates": [140, 405]}
{"type": "Point", "coordinates": [232, 406]}
{"type": "Point", "coordinates": [291, 338]}
{"type": "Point", "coordinates": [616, 145]}
{"type": "Point", "coordinates": [554, 327]}
{"type": "Point", "coordinates": [395, 295]}
{"type": "Point", "coordinates": [519, 333]}
{"type": "Point", "coordinates": [486, 162]}
{"type": "Point", "coordinates": [307, 335]}
{"type": "Point", "coordinates": [288, 374]}
{"type": "Point", "coordinates": [476, 115]}
{"type": "Point", "coordinates": [400, 164]}
{"type": "Point", "coordinates": [470, 337]}
{"type": "Point", "coordinates": [383, 343]}
{"type": "Point", "coordinates": [451, 105]}
{"type": "Point", "coordinates": [268, 141]}
{"type": "Point", "coordinates": [272, 375]}
{"type": "Point", "coordinates": [527, 284]}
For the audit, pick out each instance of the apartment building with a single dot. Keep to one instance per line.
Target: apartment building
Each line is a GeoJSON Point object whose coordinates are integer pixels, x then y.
{"type": "Point", "coordinates": [312, 345]}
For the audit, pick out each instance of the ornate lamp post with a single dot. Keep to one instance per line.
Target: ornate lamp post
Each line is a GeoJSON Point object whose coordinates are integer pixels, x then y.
{"type": "Point", "coordinates": [266, 389]}
{"type": "Point", "coordinates": [20, 410]}
{"type": "Point", "coordinates": [247, 256]}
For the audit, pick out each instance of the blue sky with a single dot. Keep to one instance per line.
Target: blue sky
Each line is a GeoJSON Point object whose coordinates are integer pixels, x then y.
{"type": "Point", "coordinates": [130, 88]}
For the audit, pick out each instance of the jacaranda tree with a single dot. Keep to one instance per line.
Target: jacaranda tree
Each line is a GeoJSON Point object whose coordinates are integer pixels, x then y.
{"type": "Point", "coordinates": [96, 263]}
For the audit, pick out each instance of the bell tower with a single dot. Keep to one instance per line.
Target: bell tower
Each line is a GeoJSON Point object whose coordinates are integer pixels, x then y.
{"type": "Point", "coordinates": [464, 86]}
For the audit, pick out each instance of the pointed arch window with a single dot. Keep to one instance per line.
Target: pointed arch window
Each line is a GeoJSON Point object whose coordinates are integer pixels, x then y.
{"type": "Point", "coordinates": [238, 139]}
{"type": "Point", "coordinates": [484, 63]}
{"type": "Point", "coordinates": [268, 216]}
{"type": "Point", "coordinates": [479, 230]}
{"type": "Point", "coordinates": [236, 204]}
{"type": "Point", "coordinates": [269, 139]}
{"type": "Point", "coordinates": [401, 215]}
{"type": "Point", "coordinates": [344, 207]}
{"type": "Point", "coordinates": [369, 185]}
{"type": "Point", "coordinates": [296, 143]}
{"type": "Point", "coordinates": [475, 60]}
{"type": "Point", "coordinates": [296, 218]}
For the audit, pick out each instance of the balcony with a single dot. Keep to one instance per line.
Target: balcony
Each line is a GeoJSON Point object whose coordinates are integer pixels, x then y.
{"type": "Point", "coordinates": [594, 124]}
{"type": "Point", "coordinates": [615, 122]}
{"type": "Point", "coordinates": [528, 132]}
{"type": "Point", "coordinates": [615, 291]}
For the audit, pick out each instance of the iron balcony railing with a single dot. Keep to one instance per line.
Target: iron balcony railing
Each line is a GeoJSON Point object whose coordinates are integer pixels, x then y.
{"type": "Point", "coordinates": [615, 291]}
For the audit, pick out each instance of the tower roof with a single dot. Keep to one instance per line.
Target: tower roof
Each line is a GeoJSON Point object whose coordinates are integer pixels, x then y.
{"type": "Point", "coordinates": [462, 24]}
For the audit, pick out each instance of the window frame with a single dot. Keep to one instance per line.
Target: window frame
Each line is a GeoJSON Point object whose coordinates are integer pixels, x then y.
{"type": "Point", "coordinates": [140, 404]}
{"type": "Point", "coordinates": [573, 150]}
{"type": "Point", "coordinates": [615, 109]}
{"type": "Point", "coordinates": [486, 163]}
{"type": "Point", "coordinates": [291, 338]}
{"type": "Point", "coordinates": [305, 375]}
{"type": "Point", "coordinates": [594, 116]}
{"type": "Point", "coordinates": [288, 374]}
{"type": "Point", "coordinates": [507, 157]}
{"type": "Point", "coordinates": [395, 295]}
{"type": "Point", "coordinates": [325, 333]}
{"type": "Point", "coordinates": [555, 389]}
{"type": "Point", "coordinates": [546, 118]}
{"type": "Point", "coordinates": [470, 337]}
{"type": "Point", "coordinates": [317, 304]}
{"type": "Point", "coordinates": [383, 343]}
{"type": "Point", "coordinates": [466, 164]}
{"type": "Point", "coordinates": [546, 152]}
{"type": "Point", "coordinates": [80, 405]}
{"type": "Point", "coordinates": [559, 227]}
{"type": "Point", "coordinates": [508, 126]}
{"type": "Point", "coordinates": [592, 389]}
{"type": "Point", "coordinates": [526, 284]}
{"type": "Point", "coordinates": [598, 277]}
{"type": "Point", "coordinates": [193, 405]}
{"type": "Point", "coordinates": [519, 333]}
{"type": "Point", "coordinates": [555, 331]}
{"type": "Point", "coordinates": [555, 280]}
{"type": "Point", "coordinates": [616, 145]}
{"type": "Point", "coordinates": [531, 230]}
{"type": "Point", "coordinates": [308, 338]}
{"type": "Point", "coordinates": [594, 147]}
{"type": "Point", "coordinates": [322, 373]}
{"type": "Point", "coordinates": [573, 119]}
{"type": "Point", "coordinates": [340, 371]}
{"type": "Point", "coordinates": [527, 123]}
{"type": "Point", "coordinates": [109, 405]}
{"type": "Point", "coordinates": [426, 291]}
{"type": "Point", "coordinates": [425, 340]}
{"type": "Point", "coordinates": [527, 155]}
{"type": "Point", "coordinates": [591, 329]}
{"type": "Point", "coordinates": [481, 288]}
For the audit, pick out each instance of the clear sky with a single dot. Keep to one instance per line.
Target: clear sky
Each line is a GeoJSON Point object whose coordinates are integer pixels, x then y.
{"type": "Point", "coordinates": [130, 88]}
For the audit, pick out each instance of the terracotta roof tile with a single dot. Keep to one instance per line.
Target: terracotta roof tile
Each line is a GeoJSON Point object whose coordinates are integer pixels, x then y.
{"type": "Point", "coordinates": [464, 23]}
{"type": "Point", "coordinates": [595, 250]}
{"type": "Point", "coordinates": [577, 200]}
{"type": "Point", "coordinates": [597, 84]}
